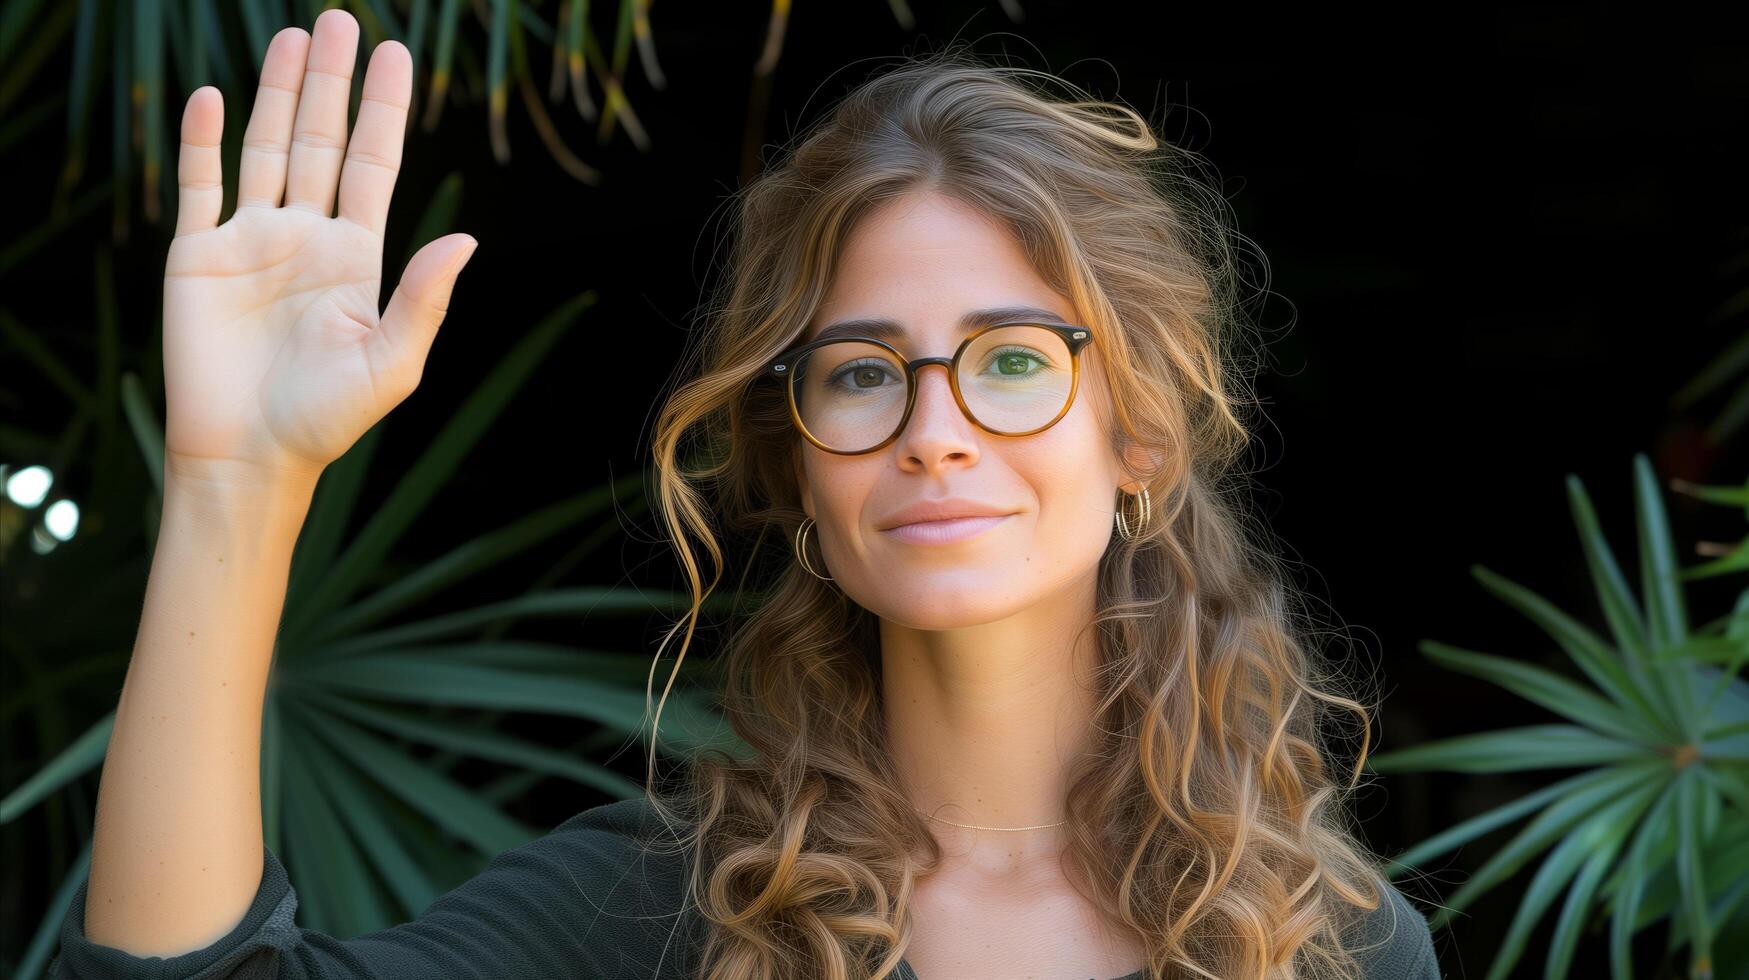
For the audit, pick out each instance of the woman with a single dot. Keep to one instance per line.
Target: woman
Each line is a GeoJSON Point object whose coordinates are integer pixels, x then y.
{"type": "Point", "coordinates": [1026, 702]}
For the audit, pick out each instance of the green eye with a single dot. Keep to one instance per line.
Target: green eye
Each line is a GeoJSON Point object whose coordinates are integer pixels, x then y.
{"type": "Point", "coordinates": [1012, 362]}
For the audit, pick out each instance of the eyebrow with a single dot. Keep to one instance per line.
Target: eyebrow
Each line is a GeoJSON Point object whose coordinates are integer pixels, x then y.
{"type": "Point", "coordinates": [882, 328]}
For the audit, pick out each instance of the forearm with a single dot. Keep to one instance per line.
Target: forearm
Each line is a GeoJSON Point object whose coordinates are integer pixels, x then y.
{"type": "Point", "coordinates": [177, 854]}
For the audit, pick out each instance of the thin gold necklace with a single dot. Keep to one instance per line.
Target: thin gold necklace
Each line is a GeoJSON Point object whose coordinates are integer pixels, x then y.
{"type": "Point", "coordinates": [974, 826]}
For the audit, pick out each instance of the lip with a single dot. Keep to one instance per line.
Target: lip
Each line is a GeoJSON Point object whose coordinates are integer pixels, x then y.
{"type": "Point", "coordinates": [948, 531]}
{"type": "Point", "coordinates": [944, 509]}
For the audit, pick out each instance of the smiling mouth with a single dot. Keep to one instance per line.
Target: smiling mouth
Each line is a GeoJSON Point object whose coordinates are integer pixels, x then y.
{"type": "Point", "coordinates": [945, 531]}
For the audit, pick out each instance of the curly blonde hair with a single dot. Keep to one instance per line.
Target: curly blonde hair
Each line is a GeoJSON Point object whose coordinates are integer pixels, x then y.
{"type": "Point", "coordinates": [1207, 819]}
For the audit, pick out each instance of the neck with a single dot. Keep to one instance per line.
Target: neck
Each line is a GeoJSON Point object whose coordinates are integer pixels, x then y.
{"type": "Point", "coordinates": [985, 722]}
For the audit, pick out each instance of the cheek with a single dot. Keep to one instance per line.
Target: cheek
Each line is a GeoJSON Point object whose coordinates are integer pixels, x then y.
{"type": "Point", "coordinates": [839, 485]}
{"type": "Point", "coordinates": [1077, 445]}
{"type": "Point", "coordinates": [1070, 470]}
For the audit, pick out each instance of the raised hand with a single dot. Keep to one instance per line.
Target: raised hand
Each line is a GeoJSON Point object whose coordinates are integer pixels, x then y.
{"type": "Point", "coordinates": [275, 358]}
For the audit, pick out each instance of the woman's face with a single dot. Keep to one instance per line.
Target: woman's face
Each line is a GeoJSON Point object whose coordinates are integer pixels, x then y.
{"type": "Point", "coordinates": [925, 260]}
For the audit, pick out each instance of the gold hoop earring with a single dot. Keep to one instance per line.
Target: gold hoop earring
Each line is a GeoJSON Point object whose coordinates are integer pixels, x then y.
{"type": "Point", "coordinates": [802, 549]}
{"type": "Point", "coordinates": [1129, 530]}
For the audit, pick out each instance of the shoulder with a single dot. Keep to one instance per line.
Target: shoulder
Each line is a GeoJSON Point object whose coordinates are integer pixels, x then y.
{"type": "Point", "coordinates": [615, 875]}
{"type": "Point", "coordinates": [632, 819]}
{"type": "Point", "coordinates": [610, 873]}
{"type": "Point", "coordinates": [1394, 940]}
{"type": "Point", "coordinates": [625, 847]}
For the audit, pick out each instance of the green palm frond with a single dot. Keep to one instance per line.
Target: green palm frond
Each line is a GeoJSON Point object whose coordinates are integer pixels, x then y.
{"type": "Point", "coordinates": [1728, 559]}
{"type": "Point", "coordinates": [1656, 827]}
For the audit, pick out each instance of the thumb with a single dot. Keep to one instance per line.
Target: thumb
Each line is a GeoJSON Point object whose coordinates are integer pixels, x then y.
{"type": "Point", "coordinates": [408, 326]}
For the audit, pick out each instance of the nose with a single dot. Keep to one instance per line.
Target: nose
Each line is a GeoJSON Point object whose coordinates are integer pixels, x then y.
{"type": "Point", "coordinates": [937, 431]}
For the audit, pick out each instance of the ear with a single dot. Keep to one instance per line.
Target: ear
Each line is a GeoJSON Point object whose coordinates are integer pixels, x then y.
{"type": "Point", "coordinates": [1138, 459]}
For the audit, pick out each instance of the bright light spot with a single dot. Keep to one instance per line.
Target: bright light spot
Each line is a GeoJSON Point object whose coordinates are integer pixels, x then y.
{"type": "Point", "coordinates": [29, 486]}
{"type": "Point", "coordinates": [62, 519]}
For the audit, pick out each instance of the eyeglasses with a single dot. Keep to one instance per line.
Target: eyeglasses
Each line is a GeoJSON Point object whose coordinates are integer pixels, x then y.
{"type": "Point", "coordinates": [853, 395]}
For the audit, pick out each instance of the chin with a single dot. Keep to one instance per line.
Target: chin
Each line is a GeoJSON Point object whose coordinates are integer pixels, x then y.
{"type": "Point", "coordinates": [946, 600]}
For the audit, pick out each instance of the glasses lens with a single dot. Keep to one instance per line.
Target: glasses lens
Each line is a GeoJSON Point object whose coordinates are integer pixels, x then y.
{"type": "Point", "coordinates": [850, 395]}
{"type": "Point", "coordinates": [1017, 378]}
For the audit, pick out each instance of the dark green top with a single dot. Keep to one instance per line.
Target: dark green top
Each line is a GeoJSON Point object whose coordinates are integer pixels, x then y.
{"type": "Point", "coordinates": [586, 900]}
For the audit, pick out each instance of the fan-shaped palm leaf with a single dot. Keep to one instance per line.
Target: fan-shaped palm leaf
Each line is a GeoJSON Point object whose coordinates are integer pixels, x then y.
{"type": "Point", "coordinates": [1665, 736]}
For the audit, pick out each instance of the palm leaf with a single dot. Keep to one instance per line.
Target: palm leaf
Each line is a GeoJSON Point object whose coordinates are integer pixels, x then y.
{"type": "Point", "coordinates": [1603, 665]}
{"type": "Point", "coordinates": [84, 754]}
{"type": "Point", "coordinates": [579, 601]}
{"type": "Point", "coordinates": [1491, 820]}
{"type": "Point", "coordinates": [1554, 821]}
{"type": "Point", "coordinates": [1626, 621]}
{"type": "Point", "coordinates": [1666, 619]}
{"type": "Point", "coordinates": [433, 468]}
{"type": "Point", "coordinates": [272, 767]}
{"type": "Point", "coordinates": [473, 557]}
{"type": "Point", "coordinates": [329, 864]}
{"type": "Point", "coordinates": [447, 803]}
{"type": "Point", "coordinates": [480, 744]}
{"type": "Point", "coordinates": [1514, 750]}
{"type": "Point", "coordinates": [1668, 737]}
{"type": "Point", "coordinates": [1690, 835]}
{"type": "Point", "coordinates": [329, 516]}
{"type": "Point", "coordinates": [416, 679]}
{"type": "Point", "coordinates": [381, 843]}
{"type": "Point", "coordinates": [1625, 921]}
{"type": "Point", "coordinates": [1590, 850]}
{"type": "Point", "coordinates": [1548, 689]}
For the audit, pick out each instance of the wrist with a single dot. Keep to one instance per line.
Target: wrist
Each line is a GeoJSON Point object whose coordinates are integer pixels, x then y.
{"type": "Point", "coordinates": [249, 490]}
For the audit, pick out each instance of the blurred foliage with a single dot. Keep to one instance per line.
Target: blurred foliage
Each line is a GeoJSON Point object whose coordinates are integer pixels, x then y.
{"type": "Point", "coordinates": [1657, 826]}
{"type": "Point", "coordinates": [1663, 811]}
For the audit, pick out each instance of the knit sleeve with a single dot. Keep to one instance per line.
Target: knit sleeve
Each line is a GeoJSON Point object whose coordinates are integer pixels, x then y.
{"type": "Point", "coordinates": [1393, 941]}
{"type": "Point", "coordinates": [585, 900]}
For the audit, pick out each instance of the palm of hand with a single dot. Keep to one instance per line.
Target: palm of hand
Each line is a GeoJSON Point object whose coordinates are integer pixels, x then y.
{"type": "Point", "coordinates": [265, 317]}
{"type": "Point", "coordinates": [275, 355]}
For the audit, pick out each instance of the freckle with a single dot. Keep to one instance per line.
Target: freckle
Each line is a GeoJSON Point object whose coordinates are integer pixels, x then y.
{"type": "Point", "coordinates": [221, 561]}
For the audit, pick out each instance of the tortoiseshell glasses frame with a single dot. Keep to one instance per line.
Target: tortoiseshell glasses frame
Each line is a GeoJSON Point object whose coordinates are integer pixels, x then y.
{"type": "Point", "coordinates": [782, 367]}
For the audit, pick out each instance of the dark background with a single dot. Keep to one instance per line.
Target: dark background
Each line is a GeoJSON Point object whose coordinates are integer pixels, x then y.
{"type": "Point", "coordinates": [1494, 247]}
